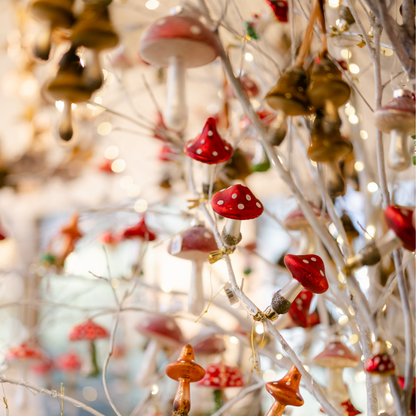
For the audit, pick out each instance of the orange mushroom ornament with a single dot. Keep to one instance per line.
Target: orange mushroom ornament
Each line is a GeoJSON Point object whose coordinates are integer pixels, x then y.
{"type": "Point", "coordinates": [285, 392]}
{"type": "Point", "coordinates": [186, 371]}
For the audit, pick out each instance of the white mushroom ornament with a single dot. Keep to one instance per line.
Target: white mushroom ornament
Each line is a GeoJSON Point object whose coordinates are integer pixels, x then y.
{"type": "Point", "coordinates": [194, 244]}
{"type": "Point", "coordinates": [336, 356]}
{"type": "Point", "coordinates": [177, 42]}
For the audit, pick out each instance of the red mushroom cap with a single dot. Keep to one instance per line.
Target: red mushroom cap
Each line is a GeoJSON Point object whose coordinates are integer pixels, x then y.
{"type": "Point", "coordinates": [212, 345]}
{"type": "Point", "coordinates": [309, 271]}
{"type": "Point", "coordinates": [106, 166]}
{"type": "Point", "coordinates": [181, 36]}
{"type": "Point", "coordinates": [380, 364]}
{"type": "Point", "coordinates": [24, 352]}
{"type": "Point", "coordinates": [350, 409]}
{"type": "Point", "coordinates": [399, 219]}
{"type": "Point", "coordinates": [399, 113]}
{"type": "Point", "coordinates": [139, 230]}
{"type": "Point", "coordinates": [43, 367]}
{"type": "Point", "coordinates": [108, 238]}
{"type": "Point", "coordinates": [337, 355]}
{"type": "Point", "coordinates": [280, 9]}
{"type": "Point", "coordinates": [400, 379]}
{"type": "Point", "coordinates": [68, 362]}
{"type": "Point", "coordinates": [193, 244]}
{"type": "Point", "coordinates": [221, 376]}
{"type": "Point", "coordinates": [163, 328]}
{"type": "Point", "coordinates": [209, 147]}
{"type": "Point", "coordinates": [296, 220]}
{"type": "Point", "coordinates": [299, 311]}
{"type": "Point", "coordinates": [237, 202]}
{"type": "Point", "coordinates": [87, 331]}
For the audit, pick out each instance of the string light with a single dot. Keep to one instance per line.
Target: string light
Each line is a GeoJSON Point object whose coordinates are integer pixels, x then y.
{"type": "Point", "coordinates": [333, 3]}
{"type": "Point", "coordinates": [358, 166]}
{"type": "Point", "coordinates": [126, 182]}
{"type": "Point", "coordinates": [279, 356]}
{"type": "Point", "coordinates": [353, 119]}
{"type": "Point", "coordinates": [372, 187]}
{"type": "Point", "coordinates": [104, 128]}
{"type": "Point", "coordinates": [118, 166]}
{"type": "Point", "coordinates": [134, 191]}
{"type": "Point", "coordinates": [155, 389]}
{"type": "Point", "coordinates": [140, 205]}
{"type": "Point", "coordinates": [234, 340]}
{"type": "Point", "coordinates": [354, 68]}
{"type": "Point", "coordinates": [152, 4]}
{"type": "Point", "coordinates": [346, 54]}
{"type": "Point", "coordinates": [371, 230]}
{"type": "Point", "coordinates": [248, 57]}
{"type": "Point", "coordinates": [111, 152]}
{"type": "Point", "coordinates": [363, 134]}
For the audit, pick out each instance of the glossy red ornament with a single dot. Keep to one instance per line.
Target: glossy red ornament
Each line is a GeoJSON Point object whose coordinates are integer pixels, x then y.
{"type": "Point", "coordinates": [209, 147]}
{"type": "Point", "coordinates": [380, 364]}
{"type": "Point", "coordinates": [309, 271]}
{"type": "Point", "coordinates": [280, 9]}
{"type": "Point", "coordinates": [139, 230]}
{"type": "Point", "coordinates": [399, 219]}
{"type": "Point", "coordinates": [237, 202]}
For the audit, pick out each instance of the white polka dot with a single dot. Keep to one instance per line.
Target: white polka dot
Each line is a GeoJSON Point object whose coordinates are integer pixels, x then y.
{"type": "Point", "coordinates": [322, 273]}
{"type": "Point", "coordinates": [341, 352]}
{"type": "Point", "coordinates": [214, 153]}
{"type": "Point", "coordinates": [226, 147]}
{"type": "Point", "coordinates": [234, 196]}
{"type": "Point", "coordinates": [404, 212]}
{"type": "Point", "coordinates": [303, 296]}
{"type": "Point", "coordinates": [170, 325]}
{"type": "Point", "coordinates": [385, 357]}
{"type": "Point", "coordinates": [332, 347]}
{"type": "Point", "coordinates": [305, 261]}
{"type": "Point", "coordinates": [390, 365]}
{"type": "Point", "coordinates": [220, 202]}
{"type": "Point", "coordinates": [199, 151]}
{"type": "Point", "coordinates": [382, 367]}
{"type": "Point", "coordinates": [202, 141]}
{"type": "Point", "coordinates": [248, 197]}
{"type": "Point", "coordinates": [377, 360]}
{"type": "Point", "coordinates": [189, 144]}
{"type": "Point", "coordinates": [161, 22]}
{"type": "Point", "coordinates": [288, 383]}
{"type": "Point", "coordinates": [196, 30]}
{"type": "Point", "coordinates": [258, 204]}
{"type": "Point", "coordinates": [240, 206]}
{"type": "Point", "coordinates": [313, 259]}
{"type": "Point", "coordinates": [207, 234]}
{"type": "Point", "coordinates": [249, 83]}
{"type": "Point", "coordinates": [210, 133]}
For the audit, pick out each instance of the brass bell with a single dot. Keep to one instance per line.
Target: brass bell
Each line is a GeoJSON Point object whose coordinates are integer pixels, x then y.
{"type": "Point", "coordinates": [289, 95]}
{"type": "Point", "coordinates": [349, 228]}
{"type": "Point", "coordinates": [93, 30]}
{"type": "Point", "coordinates": [69, 86]}
{"type": "Point", "coordinates": [327, 90]}
{"type": "Point", "coordinates": [346, 19]}
{"type": "Point", "coordinates": [328, 146]}
{"type": "Point", "coordinates": [56, 14]}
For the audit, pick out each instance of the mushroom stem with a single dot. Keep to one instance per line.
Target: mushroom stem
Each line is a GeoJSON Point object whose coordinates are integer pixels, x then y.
{"type": "Point", "coordinates": [196, 291]}
{"type": "Point", "coordinates": [206, 172]}
{"type": "Point", "coordinates": [218, 399]}
{"type": "Point", "coordinates": [43, 43]}
{"type": "Point", "coordinates": [334, 180]}
{"type": "Point", "coordinates": [148, 367]}
{"type": "Point", "coordinates": [307, 242]}
{"type": "Point", "coordinates": [182, 402]}
{"type": "Point", "coordinates": [337, 391]}
{"type": "Point", "coordinates": [371, 254]}
{"type": "Point", "coordinates": [399, 156]}
{"type": "Point", "coordinates": [176, 112]}
{"type": "Point", "coordinates": [277, 409]}
{"type": "Point", "coordinates": [65, 125]}
{"type": "Point", "coordinates": [93, 74]}
{"type": "Point", "coordinates": [95, 370]}
{"type": "Point", "coordinates": [231, 232]}
{"type": "Point", "coordinates": [282, 300]}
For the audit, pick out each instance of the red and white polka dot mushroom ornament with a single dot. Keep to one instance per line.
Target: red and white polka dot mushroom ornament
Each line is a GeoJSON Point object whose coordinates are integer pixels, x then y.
{"type": "Point", "coordinates": [208, 148]}
{"type": "Point", "coordinates": [236, 203]}
{"type": "Point", "coordinates": [381, 363]}
{"type": "Point", "coordinates": [221, 376]}
{"type": "Point", "coordinates": [308, 272]}
{"type": "Point", "coordinates": [177, 42]}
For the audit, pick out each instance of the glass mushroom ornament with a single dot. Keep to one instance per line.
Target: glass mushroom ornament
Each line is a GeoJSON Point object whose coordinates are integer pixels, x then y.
{"type": "Point", "coordinates": [177, 42]}
{"type": "Point", "coordinates": [54, 14]}
{"type": "Point", "coordinates": [219, 377]}
{"type": "Point", "coordinates": [308, 272]}
{"type": "Point", "coordinates": [94, 31]}
{"type": "Point", "coordinates": [162, 332]}
{"type": "Point", "coordinates": [397, 118]}
{"type": "Point", "coordinates": [186, 371]}
{"type": "Point", "coordinates": [285, 392]}
{"type": "Point", "coordinates": [236, 203]}
{"type": "Point", "coordinates": [401, 233]}
{"type": "Point", "coordinates": [69, 86]}
{"type": "Point", "coordinates": [210, 149]}
{"type": "Point", "coordinates": [89, 331]}
{"type": "Point", "coordinates": [194, 244]}
{"type": "Point", "coordinates": [336, 356]}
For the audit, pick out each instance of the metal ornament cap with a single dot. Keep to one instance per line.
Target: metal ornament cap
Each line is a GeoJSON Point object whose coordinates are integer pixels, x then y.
{"type": "Point", "coordinates": [208, 147]}
{"type": "Point", "coordinates": [309, 271]}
